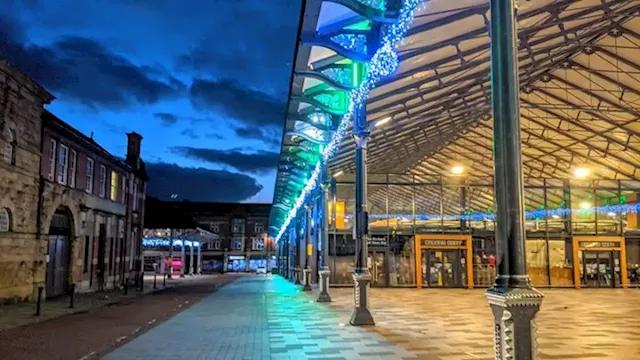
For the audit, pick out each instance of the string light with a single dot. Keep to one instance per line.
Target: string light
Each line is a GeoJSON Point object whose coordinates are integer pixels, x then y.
{"type": "Point", "coordinates": [384, 62]}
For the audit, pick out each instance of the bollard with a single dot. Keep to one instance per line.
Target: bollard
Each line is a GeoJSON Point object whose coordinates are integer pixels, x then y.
{"type": "Point", "coordinates": [126, 285]}
{"type": "Point", "coordinates": [72, 295]}
{"type": "Point", "coordinates": [39, 302]}
{"type": "Point", "coordinates": [154, 281]}
{"type": "Point", "coordinates": [164, 280]}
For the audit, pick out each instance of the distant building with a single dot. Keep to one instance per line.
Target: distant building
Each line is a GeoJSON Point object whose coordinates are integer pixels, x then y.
{"type": "Point", "coordinates": [92, 209]}
{"type": "Point", "coordinates": [241, 243]}
{"type": "Point", "coordinates": [23, 263]}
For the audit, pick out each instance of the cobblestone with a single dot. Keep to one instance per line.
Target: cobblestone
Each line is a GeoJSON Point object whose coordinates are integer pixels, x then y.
{"type": "Point", "coordinates": [270, 318]}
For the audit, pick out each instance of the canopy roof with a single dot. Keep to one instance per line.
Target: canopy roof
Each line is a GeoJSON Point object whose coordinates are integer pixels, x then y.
{"type": "Point", "coordinates": [580, 94]}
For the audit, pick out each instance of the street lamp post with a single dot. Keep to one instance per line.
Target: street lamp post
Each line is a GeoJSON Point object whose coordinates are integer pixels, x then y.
{"type": "Point", "coordinates": [361, 276]}
{"type": "Point", "coordinates": [514, 302]}
{"type": "Point", "coordinates": [297, 260]}
{"type": "Point", "coordinates": [323, 226]}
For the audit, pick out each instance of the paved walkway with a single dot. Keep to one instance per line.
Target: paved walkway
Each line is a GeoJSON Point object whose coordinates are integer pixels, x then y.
{"type": "Point", "coordinates": [262, 317]}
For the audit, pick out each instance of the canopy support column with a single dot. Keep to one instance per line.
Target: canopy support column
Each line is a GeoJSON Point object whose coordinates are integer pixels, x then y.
{"type": "Point", "coordinates": [323, 227]}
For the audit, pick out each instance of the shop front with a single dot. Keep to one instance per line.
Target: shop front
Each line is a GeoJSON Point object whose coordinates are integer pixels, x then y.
{"type": "Point", "coordinates": [442, 261]}
{"type": "Point", "coordinates": [377, 263]}
{"type": "Point", "coordinates": [602, 262]}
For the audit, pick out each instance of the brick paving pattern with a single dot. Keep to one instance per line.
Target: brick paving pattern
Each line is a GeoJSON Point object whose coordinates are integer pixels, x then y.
{"type": "Point", "coordinates": [270, 318]}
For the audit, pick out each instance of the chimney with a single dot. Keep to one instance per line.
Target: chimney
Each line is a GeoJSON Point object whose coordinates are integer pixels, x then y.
{"type": "Point", "coordinates": [133, 149]}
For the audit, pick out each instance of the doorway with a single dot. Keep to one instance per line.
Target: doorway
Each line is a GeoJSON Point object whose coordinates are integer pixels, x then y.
{"type": "Point", "coordinates": [376, 265]}
{"type": "Point", "coordinates": [443, 268]}
{"type": "Point", "coordinates": [600, 269]}
{"type": "Point", "coordinates": [58, 251]}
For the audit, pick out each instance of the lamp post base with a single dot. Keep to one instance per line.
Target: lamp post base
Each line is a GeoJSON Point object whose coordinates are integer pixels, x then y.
{"type": "Point", "coordinates": [323, 285]}
{"type": "Point", "coordinates": [307, 280]}
{"type": "Point", "coordinates": [514, 311]}
{"type": "Point", "coordinates": [297, 276]}
{"type": "Point", "coordinates": [361, 315]}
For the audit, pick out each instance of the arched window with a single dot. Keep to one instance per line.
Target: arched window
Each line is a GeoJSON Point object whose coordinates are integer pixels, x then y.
{"type": "Point", "coordinates": [5, 220]}
{"type": "Point", "coordinates": [9, 147]}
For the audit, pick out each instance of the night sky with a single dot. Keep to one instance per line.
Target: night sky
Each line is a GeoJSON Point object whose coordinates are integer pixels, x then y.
{"type": "Point", "coordinates": [204, 81]}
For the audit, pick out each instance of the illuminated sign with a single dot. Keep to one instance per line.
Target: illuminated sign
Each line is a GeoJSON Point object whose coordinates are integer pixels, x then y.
{"type": "Point", "coordinates": [427, 242]}
{"type": "Point", "coordinates": [377, 241]}
{"type": "Point", "coordinates": [598, 244]}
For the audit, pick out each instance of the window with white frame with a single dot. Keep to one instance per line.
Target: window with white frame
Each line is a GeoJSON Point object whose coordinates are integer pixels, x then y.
{"type": "Point", "coordinates": [89, 176]}
{"type": "Point", "coordinates": [63, 164]}
{"type": "Point", "coordinates": [52, 159]}
{"type": "Point", "coordinates": [237, 243]}
{"type": "Point", "coordinates": [259, 228]}
{"type": "Point", "coordinates": [238, 225]}
{"type": "Point", "coordinates": [215, 227]}
{"type": "Point", "coordinates": [72, 168]}
{"type": "Point", "coordinates": [9, 148]}
{"type": "Point", "coordinates": [215, 245]}
{"type": "Point", "coordinates": [5, 220]}
{"type": "Point", "coordinates": [102, 190]}
{"type": "Point", "coordinates": [257, 243]}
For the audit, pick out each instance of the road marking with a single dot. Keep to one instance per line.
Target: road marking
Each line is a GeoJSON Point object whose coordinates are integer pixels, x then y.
{"type": "Point", "coordinates": [89, 355]}
{"type": "Point", "coordinates": [120, 338]}
{"type": "Point", "coordinates": [151, 321]}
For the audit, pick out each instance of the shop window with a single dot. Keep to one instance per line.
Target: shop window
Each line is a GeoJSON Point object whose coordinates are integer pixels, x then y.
{"type": "Point", "coordinates": [89, 176]}
{"type": "Point", "coordinates": [537, 261]}
{"type": "Point", "coordinates": [9, 148]}
{"type": "Point", "coordinates": [63, 164]}
{"type": "Point", "coordinates": [633, 261]}
{"type": "Point", "coordinates": [5, 220]}
{"type": "Point", "coordinates": [560, 262]}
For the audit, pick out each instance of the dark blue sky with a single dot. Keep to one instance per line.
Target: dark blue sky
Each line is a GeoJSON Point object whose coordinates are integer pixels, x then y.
{"type": "Point", "coordinates": [204, 81]}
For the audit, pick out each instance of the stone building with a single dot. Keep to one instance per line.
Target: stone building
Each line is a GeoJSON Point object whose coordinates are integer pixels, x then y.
{"type": "Point", "coordinates": [91, 210]}
{"type": "Point", "coordinates": [21, 104]}
{"type": "Point", "coordinates": [241, 228]}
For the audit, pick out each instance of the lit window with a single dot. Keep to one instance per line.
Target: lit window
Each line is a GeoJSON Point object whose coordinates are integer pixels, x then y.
{"type": "Point", "coordinates": [89, 176]}
{"type": "Point", "coordinates": [9, 148]}
{"type": "Point", "coordinates": [103, 181]}
{"type": "Point", "coordinates": [63, 155]}
{"type": "Point", "coordinates": [5, 220]}
{"type": "Point", "coordinates": [52, 159]}
{"type": "Point", "coordinates": [114, 186]}
{"type": "Point", "coordinates": [72, 168]}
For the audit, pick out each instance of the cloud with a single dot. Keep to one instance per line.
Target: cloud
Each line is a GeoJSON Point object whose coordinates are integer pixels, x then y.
{"type": "Point", "coordinates": [251, 107]}
{"type": "Point", "coordinates": [86, 72]}
{"type": "Point", "coordinates": [199, 184]}
{"type": "Point", "coordinates": [190, 133]}
{"type": "Point", "coordinates": [257, 163]}
{"type": "Point", "coordinates": [266, 135]}
{"type": "Point", "coordinates": [166, 118]}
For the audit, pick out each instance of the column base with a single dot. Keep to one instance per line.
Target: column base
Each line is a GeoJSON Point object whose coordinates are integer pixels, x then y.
{"type": "Point", "coordinates": [361, 315]}
{"type": "Point", "coordinates": [323, 285]}
{"type": "Point", "coordinates": [307, 280]}
{"type": "Point", "coordinates": [514, 311]}
{"type": "Point", "coordinates": [297, 276]}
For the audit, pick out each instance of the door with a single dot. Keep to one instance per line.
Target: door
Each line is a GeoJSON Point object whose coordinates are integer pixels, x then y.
{"type": "Point", "coordinates": [443, 268]}
{"type": "Point", "coordinates": [600, 268]}
{"type": "Point", "coordinates": [102, 244]}
{"type": "Point", "coordinates": [57, 266]}
{"type": "Point", "coordinates": [375, 263]}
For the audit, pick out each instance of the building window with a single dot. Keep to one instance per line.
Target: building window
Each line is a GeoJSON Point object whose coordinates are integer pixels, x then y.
{"type": "Point", "coordinates": [89, 176]}
{"type": "Point", "coordinates": [72, 168]}
{"type": "Point", "coordinates": [123, 189]}
{"type": "Point", "coordinates": [5, 220]}
{"type": "Point", "coordinates": [52, 159]}
{"type": "Point", "coordinates": [257, 244]}
{"type": "Point", "coordinates": [238, 226]}
{"type": "Point", "coordinates": [9, 148]}
{"type": "Point", "coordinates": [103, 181]}
{"type": "Point", "coordinates": [237, 244]}
{"type": "Point", "coordinates": [215, 245]}
{"type": "Point", "coordinates": [259, 228]}
{"type": "Point", "coordinates": [114, 186]}
{"type": "Point", "coordinates": [63, 164]}
{"type": "Point", "coordinates": [215, 227]}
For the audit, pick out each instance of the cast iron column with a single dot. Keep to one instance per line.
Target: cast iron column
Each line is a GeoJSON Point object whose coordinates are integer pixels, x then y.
{"type": "Point", "coordinates": [191, 258]}
{"type": "Point", "coordinates": [182, 259]}
{"type": "Point", "coordinates": [199, 259]}
{"type": "Point", "coordinates": [170, 254]}
{"type": "Point", "coordinates": [513, 301]}
{"type": "Point", "coordinates": [361, 276]}
{"type": "Point", "coordinates": [307, 246]}
{"type": "Point", "coordinates": [323, 228]}
{"type": "Point", "coordinates": [298, 260]}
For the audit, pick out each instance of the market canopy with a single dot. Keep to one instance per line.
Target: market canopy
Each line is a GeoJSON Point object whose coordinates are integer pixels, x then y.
{"type": "Point", "coordinates": [579, 80]}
